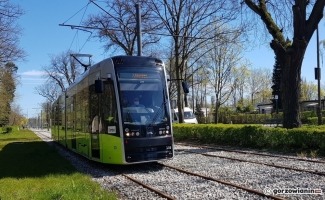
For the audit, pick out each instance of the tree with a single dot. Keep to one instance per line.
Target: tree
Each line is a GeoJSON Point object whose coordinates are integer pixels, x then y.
{"type": "Point", "coordinates": [49, 90]}
{"type": "Point", "coordinates": [9, 33]}
{"type": "Point", "coordinates": [308, 91]}
{"type": "Point", "coordinates": [305, 16]}
{"type": "Point", "coordinates": [16, 116]}
{"type": "Point", "coordinates": [9, 53]}
{"type": "Point", "coordinates": [7, 91]}
{"type": "Point", "coordinates": [223, 58]}
{"type": "Point", "coordinates": [190, 24]}
{"type": "Point", "coordinates": [259, 84]}
{"type": "Point", "coordinates": [201, 78]}
{"type": "Point", "coordinates": [117, 25]}
{"type": "Point", "coordinates": [61, 73]}
{"type": "Point", "coordinates": [240, 77]}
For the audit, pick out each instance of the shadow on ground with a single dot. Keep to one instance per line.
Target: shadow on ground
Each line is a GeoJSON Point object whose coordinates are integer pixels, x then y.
{"type": "Point", "coordinates": [32, 159]}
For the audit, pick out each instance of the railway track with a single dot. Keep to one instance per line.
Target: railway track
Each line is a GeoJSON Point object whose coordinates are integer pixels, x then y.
{"type": "Point", "coordinates": [260, 163]}
{"type": "Point", "coordinates": [253, 153]}
{"type": "Point", "coordinates": [152, 189]}
{"type": "Point", "coordinates": [284, 158]}
{"type": "Point", "coordinates": [224, 182]}
{"type": "Point", "coordinates": [161, 191]}
{"type": "Point", "coordinates": [165, 180]}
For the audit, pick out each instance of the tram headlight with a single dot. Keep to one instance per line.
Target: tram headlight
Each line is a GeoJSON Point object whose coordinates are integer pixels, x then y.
{"type": "Point", "coordinates": [127, 132]}
{"type": "Point", "coordinates": [167, 130]}
{"type": "Point", "coordinates": [131, 133]}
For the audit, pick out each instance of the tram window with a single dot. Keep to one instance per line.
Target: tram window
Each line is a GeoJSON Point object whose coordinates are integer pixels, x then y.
{"type": "Point", "coordinates": [108, 109]}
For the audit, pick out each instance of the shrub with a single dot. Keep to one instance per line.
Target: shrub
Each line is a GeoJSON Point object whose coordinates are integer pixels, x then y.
{"type": "Point", "coordinates": [310, 138]}
{"type": "Point", "coordinates": [6, 129]}
{"type": "Point", "coordinates": [312, 120]}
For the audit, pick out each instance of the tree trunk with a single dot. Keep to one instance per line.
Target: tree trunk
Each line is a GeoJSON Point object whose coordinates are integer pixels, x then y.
{"type": "Point", "coordinates": [290, 85]}
{"type": "Point", "coordinates": [185, 100]}
{"type": "Point", "coordinates": [179, 92]}
{"type": "Point", "coordinates": [216, 114]}
{"type": "Point", "coordinates": [180, 103]}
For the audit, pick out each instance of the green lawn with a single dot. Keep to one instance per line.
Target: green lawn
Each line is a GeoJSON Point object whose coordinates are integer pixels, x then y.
{"type": "Point", "coordinates": [31, 169]}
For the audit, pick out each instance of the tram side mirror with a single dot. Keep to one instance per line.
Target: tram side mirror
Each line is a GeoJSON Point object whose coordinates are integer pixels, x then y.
{"type": "Point", "coordinates": [98, 86]}
{"type": "Point", "coordinates": [185, 87]}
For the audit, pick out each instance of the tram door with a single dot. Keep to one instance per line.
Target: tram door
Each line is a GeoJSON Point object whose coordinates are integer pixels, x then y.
{"type": "Point", "coordinates": [96, 123]}
{"type": "Point", "coordinates": [95, 148]}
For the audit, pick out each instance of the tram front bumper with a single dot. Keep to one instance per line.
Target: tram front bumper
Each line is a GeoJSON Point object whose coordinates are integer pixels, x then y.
{"type": "Point", "coordinates": [148, 149]}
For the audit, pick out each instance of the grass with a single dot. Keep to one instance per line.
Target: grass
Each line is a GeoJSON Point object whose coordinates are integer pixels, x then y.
{"type": "Point", "coordinates": [31, 169]}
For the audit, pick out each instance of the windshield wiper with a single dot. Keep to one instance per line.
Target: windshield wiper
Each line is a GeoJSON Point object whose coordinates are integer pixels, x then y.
{"type": "Point", "coordinates": [155, 117]}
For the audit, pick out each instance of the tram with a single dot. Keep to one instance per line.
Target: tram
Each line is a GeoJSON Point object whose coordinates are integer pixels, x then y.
{"type": "Point", "coordinates": [117, 112]}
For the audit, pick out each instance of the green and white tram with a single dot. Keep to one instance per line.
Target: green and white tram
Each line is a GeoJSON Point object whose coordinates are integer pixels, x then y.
{"type": "Point", "coordinates": [117, 112]}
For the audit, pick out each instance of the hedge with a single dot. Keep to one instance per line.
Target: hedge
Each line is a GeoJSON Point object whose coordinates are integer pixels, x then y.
{"type": "Point", "coordinates": [309, 138]}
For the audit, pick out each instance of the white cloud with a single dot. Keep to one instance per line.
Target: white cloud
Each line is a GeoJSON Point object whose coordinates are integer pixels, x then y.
{"type": "Point", "coordinates": [33, 73]}
{"type": "Point", "coordinates": [32, 77]}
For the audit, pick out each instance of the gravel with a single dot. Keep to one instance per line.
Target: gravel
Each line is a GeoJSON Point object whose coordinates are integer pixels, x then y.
{"type": "Point", "coordinates": [286, 161]}
{"type": "Point", "coordinates": [182, 186]}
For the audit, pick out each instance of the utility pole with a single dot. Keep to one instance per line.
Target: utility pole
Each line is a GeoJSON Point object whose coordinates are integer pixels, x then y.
{"type": "Point", "coordinates": [193, 101]}
{"type": "Point", "coordinates": [318, 77]}
{"type": "Point", "coordinates": [138, 16]}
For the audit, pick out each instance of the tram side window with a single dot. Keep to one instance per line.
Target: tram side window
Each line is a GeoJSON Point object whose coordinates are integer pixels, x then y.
{"type": "Point", "coordinates": [93, 108]}
{"type": "Point", "coordinates": [109, 109]}
{"type": "Point", "coordinates": [61, 108]}
{"type": "Point", "coordinates": [81, 116]}
{"type": "Point", "coordinates": [56, 114]}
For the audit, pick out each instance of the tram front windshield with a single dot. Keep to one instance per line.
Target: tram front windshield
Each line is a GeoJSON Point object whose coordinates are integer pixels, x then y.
{"type": "Point", "coordinates": [143, 96]}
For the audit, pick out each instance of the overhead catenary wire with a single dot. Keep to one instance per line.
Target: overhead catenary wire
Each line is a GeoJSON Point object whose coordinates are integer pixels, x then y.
{"type": "Point", "coordinates": [85, 8]}
{"type": "Point", "coordinates": [91, 1]}
{"type": "Point", "coordinates": [131, 30]}
{"type": "Point", "coordinates": [113, 29]}
{"type": "Point", "coordinates": [77, 12]}
{"type": "Point", "coordinates": [87, 28]}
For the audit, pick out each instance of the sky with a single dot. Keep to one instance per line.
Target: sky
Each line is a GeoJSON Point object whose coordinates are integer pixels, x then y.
{"type": "Point", "coordinates": [42, 37]}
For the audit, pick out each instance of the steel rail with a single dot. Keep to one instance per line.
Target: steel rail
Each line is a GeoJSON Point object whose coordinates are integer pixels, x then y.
{"type": "Point", "coordinates": [253, 153]}
{"type": "Point", "coordinates": [222, 182]}
{"type": "Point", "coordinates": [160, 193]}
{"type": "Point", "coordinates": [260, 163]}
